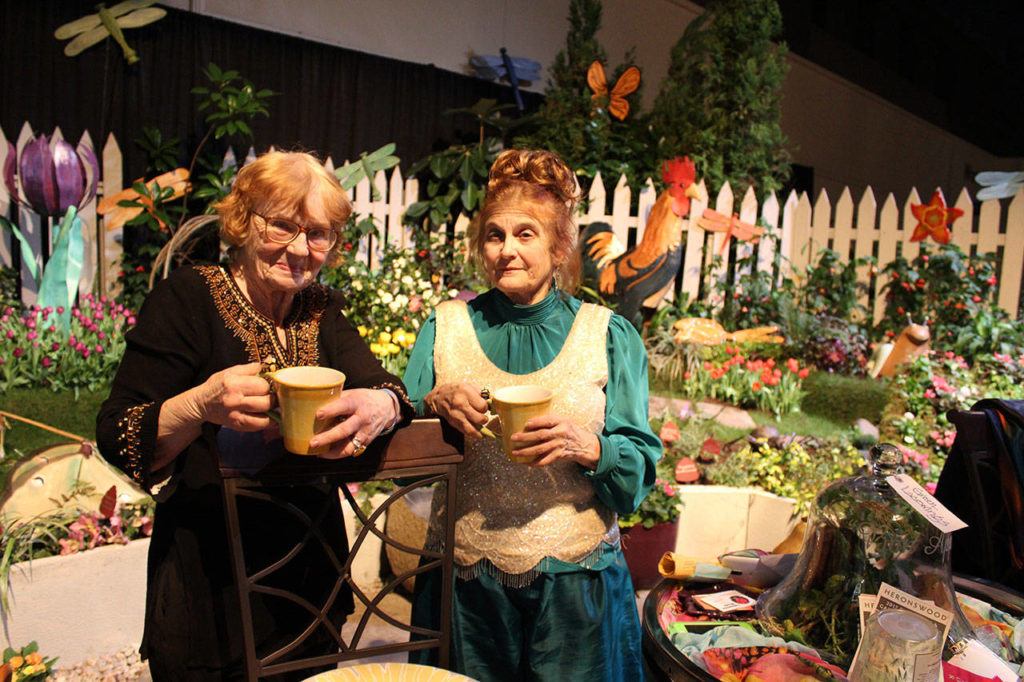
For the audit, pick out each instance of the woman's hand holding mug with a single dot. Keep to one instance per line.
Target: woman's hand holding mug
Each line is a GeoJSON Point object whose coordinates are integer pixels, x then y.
{"type": "Point", "coordinates": [236, 397]}
{"type": "Point", "coordinates": [461, 405]}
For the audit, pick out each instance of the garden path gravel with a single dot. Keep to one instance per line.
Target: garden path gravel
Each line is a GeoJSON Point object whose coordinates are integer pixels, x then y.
{"type": "Point", "coordinates": [122, 666]}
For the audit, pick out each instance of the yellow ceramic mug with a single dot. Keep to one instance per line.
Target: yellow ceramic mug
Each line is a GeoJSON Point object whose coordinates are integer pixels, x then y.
{"type": "Point", "coordinates": [301, 391]}
{"type": "Point", "coordinates": [512, 407]}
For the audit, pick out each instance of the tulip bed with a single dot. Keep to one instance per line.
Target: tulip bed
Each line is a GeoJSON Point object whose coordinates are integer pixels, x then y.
{"type": "Point", "coordinates": [34, 351]}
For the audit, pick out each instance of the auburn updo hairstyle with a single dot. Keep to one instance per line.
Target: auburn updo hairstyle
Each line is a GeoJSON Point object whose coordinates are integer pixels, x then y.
{"type": "Point", "coordinates": [540, 183]}
{"type": "Point", "coordinates": [277, 185]}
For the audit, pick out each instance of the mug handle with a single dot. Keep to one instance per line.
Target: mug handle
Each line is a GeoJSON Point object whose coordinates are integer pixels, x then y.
{"type": "Point", "coordinates": [274, 415]}
{"type": "Point", "coordinates": [491, 415]}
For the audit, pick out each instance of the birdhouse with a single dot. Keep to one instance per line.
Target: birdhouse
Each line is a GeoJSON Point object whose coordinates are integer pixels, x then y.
{"type": "Point", "coordinates": [912, 341]}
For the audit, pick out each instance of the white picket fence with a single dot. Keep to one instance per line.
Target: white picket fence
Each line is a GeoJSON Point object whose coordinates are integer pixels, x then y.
{"type": "Point", "coordinates": [802, 229]}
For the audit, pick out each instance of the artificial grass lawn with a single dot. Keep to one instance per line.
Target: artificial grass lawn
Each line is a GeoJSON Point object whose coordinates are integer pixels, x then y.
{"type": "Point", "coordinates": [830, 407]}
{"type": "Point", "coordinates": [60, 410]}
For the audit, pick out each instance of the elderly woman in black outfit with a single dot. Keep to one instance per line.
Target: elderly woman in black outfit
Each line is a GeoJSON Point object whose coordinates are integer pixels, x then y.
{"type": "Point", "coordinates": [188, 395]}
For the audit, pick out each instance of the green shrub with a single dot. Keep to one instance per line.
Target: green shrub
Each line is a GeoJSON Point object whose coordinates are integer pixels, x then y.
{"type": "Point", "coordinates": [844, 399]}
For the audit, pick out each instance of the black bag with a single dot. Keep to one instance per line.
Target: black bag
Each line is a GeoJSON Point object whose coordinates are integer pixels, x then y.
{"type": "Point", "coordinates": [983, 483]}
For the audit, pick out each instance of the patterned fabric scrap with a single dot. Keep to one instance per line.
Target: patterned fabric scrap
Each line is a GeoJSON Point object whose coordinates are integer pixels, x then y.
{"type": "Point", "coordinates": [768, 664]}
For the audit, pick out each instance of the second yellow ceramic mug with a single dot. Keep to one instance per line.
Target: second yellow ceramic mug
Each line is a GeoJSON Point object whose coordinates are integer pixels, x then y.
{"type": "Point", "coordinates": [301, 391]}
{"type": "Point", "coordinates": [512, 407]}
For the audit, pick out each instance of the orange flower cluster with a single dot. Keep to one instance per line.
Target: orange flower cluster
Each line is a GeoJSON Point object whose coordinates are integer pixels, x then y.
{"type": "Point", "coordinates": [763, 383]}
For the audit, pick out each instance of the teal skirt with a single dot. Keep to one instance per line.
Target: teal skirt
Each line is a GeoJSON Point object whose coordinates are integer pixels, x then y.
{"type": "Point", "coordinates": [563, 626]}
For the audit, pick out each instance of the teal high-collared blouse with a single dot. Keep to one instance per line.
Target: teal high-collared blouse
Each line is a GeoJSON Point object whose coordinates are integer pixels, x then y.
{"type": "Point", "coordinates": [520, 339]}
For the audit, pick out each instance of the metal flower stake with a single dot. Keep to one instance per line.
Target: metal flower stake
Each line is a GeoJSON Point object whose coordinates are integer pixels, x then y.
{"type": "Point", "coordinates": [53, 179]}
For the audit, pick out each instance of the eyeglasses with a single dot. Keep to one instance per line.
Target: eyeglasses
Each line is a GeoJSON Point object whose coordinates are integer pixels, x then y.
{"type": "Point", "coordinates": [282, 231]}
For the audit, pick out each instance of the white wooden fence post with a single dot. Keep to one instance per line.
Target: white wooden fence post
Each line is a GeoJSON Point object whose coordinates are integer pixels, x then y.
{"type": "Point", "coordinates": [767, 248]}
{"type": "Point", "coordinates": [888, 235]}
{"type": "Point", "coordinates": [90, 235]}
{"type": "Point", "coordinates": [1013, 256]}
{"type": "Point", "coordinates": [910, 249]}
{"type": "Point", "coordinates": [112, 250]}
{"type": "Point", "coordinates": [865, 240]}
{"type": "Point", "coordinates": [693, 257]}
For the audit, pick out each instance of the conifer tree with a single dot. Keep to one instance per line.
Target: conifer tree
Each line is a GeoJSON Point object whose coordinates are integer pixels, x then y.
{"type": "Point", "coordinates": [720, 102]}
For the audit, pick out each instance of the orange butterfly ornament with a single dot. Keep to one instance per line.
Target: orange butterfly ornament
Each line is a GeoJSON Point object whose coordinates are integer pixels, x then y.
{"type": "Point", "coordinates": [627, 84]}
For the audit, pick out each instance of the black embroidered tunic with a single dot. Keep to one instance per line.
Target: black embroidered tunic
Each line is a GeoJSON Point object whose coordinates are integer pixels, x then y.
{"type": "Point", "coordinates": [192, 325]}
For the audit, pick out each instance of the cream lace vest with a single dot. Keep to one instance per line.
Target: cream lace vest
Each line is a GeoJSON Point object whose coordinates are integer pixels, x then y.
{"type": "Point", "coordinates": [509, 515]}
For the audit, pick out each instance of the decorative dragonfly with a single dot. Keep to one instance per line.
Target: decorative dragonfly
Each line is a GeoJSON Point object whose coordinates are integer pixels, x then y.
{"type": "Point", "coordinates": [512, 69]}
{"type": "Point", "coordinates": [998, 184]}
{"type": "Point", "coordinates": [94, 28]}
{"type": "Point", "coordinates": [366, 166]}
{"type": "Point", "coordinates": [713, 221]}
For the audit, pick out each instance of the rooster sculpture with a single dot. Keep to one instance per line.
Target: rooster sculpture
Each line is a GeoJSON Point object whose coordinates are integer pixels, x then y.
{"type": "Point", "coordinates": [631, 277]}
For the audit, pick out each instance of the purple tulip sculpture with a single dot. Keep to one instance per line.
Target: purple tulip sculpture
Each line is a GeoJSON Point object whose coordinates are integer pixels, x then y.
{"type": "Point", "coordinates": [54, 180]}
{"type": "Point", "coordinates": [50, 177]}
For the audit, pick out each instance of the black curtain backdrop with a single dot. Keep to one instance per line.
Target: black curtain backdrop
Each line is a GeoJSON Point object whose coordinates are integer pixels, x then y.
{"type": "Point", "coordinates": [332, 101]}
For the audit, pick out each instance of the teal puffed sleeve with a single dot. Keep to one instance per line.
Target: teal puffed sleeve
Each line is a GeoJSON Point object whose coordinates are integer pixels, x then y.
{"type": "Point", "coordinates": [629, 448]}
{"type": "Point", "coordinates": [419, 373]}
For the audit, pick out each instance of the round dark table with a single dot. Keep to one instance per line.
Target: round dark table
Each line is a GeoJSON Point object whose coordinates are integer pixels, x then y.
{"type": "Point", "coordinates": [666, 662]}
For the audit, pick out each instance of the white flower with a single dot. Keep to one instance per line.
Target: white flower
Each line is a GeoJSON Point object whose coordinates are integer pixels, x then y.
{"type": "Point", "coordinates": [394, 306]}
{"type": "Point", "coordinates": [908, 415]}
{"type": "Point", "coordinates": [407, 280]}
{"type": "Point", "coordinates": [452, 293]}
{"type": "Point", "coordinates": [386, 297]}
{"type": "Point", "coordinates": [401, 299]}
{"type": "Point", "coordinates": [351, 270]}
{"type": "Point", "coordinates": [400, 262]}
{"type": "Point", "coordinates": [357, 285]}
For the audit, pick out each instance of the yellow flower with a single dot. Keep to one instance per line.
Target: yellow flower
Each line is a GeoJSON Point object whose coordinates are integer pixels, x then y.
{"type": "Point", "coordinates": [384, 337]}
{"type": "Point", "coordinates": [392, 349]}
{"type": "Point", "coordinates": [399, 337]}
{"type": "Point", "coordinates": [34, 658]}
{"type": "Point", "coordinates": [410, 340]}
{"type": "Point", "coordinates": [16, 662]}
{"type": "Point", "coordinates": [377, 349]}
{"type": "Point", "coordinates": [362, 331]}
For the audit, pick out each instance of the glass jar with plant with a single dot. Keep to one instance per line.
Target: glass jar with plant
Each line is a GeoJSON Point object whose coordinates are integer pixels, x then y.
{"type": "Point", "coordinates": [861, 533]}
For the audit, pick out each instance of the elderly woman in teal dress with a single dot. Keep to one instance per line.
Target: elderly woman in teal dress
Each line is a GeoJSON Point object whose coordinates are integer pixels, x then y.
{"type": "Point", "coordinates": [542, 590]}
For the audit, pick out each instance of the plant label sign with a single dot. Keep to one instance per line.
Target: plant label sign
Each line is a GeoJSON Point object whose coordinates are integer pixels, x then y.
{"type": "Point", "coordinates": [925, 503]}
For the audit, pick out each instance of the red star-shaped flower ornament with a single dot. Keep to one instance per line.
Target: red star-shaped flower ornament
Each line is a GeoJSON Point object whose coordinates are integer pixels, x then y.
{"type": "Point", "coordinates": [934, 219]}
{"type": "Point", "coordinates": [680, 174]}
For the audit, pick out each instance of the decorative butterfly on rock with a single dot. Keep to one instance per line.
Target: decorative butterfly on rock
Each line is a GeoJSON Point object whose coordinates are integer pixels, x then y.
{"type": "Point", "coordinates": [626, 85]}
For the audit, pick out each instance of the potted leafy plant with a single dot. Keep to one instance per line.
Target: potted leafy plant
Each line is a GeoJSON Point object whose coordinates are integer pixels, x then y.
{"type": "Point", "coordinates": [649, 532]}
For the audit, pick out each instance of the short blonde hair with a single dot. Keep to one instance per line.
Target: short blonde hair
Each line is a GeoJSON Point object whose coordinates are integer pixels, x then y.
{"type": "Point", "coordinates": [279, 184]}
{"type": "Point", "coordinates": [543, 182]}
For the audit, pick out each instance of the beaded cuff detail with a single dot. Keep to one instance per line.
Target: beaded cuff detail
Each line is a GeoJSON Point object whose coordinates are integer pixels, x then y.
{"type": "Point", "coordinates": [130, 439]}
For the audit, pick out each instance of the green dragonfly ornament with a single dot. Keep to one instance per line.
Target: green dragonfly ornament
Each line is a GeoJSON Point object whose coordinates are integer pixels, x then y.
{"type": "Point", "coordinates": [366, 166]}
{"type": "Point", "coordinates": [108, 22]}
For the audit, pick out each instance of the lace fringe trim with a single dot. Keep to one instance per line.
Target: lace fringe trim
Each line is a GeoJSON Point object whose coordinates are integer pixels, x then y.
{"type": "Point", "coordinates": [514, 580]}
